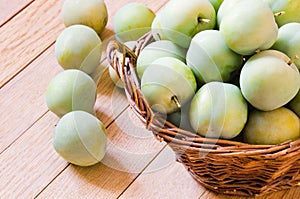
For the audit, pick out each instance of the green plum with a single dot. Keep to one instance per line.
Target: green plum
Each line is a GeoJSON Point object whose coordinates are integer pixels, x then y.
{"type": "Point", "coordinates": [132, 21]}
{"type": "Point", "coordinates": [167, 84]}
{"type": "Point", "coordinates": [71, 90]}
{"type": "Point", "coordinates": [78, 47]}
{"type": "Point", "coordinates": [216, 4]}
{"type": "Point", "coordinates": [271, 127]}
{"type": "Point", "coordinates": [294, 104]}
{"type": "Point", "coordinates": [157, 49]}
{"type": "Point", "coordinates": [92, 13]}
{"type": "Point", "coordinates": [291, 9]}
{"type": "Point", "coordinates": [249, 26]}
{"type": "Point", "coordinates": [181, 20]}
{"type": "Point", "coordinates": [225, 7]}
{"type": "Point", "coordinates": [218, 110]}
{"type": "Point", "coordinates": [156, 29]}
{"type": "Point", "coordinates": [80, 138]}
{"type": "Point", "coordinates": [268, 81]}
{"type": "Point", "coordinates": [288, 41]}
{"type": "Point", "coordinates": [210, 59]}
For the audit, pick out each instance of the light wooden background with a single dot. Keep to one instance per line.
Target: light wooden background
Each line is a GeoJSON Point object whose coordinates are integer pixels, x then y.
{"type": "Point", "coordinates": [136, 165]}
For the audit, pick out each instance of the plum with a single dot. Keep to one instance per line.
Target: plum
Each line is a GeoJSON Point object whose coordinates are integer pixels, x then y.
{"type": "Point", "coordinates": [80, 138]}
{"type": "Point", "coordinates": [271, 127]}
{"type": "Point", "coordinates": [71, 90]}
{"type": "Point", "coordinates": [268, 80]}
{"type": "Point", "coordinates": [249, 26]}
{"type": "Point", "coordinates": [224, 8]}
{"type": "Point", "coordinates": [167, 84]}
{"type": "Point", "coordinates": [218, 110]}
{"type": "Point", "coordinates": [132, 21]}
{"type": "Point", "coordinates": [210, 59]}
{"type": "Point", "coordinates": [290, 10]}
{"type": "Point", "coordinates": [157, 49]}
{"type": "Point", "coordinates": [78, 47]}
{"type": "Point", "coordinates": [92, 13]}
{"type": "Point", "coordinates": [288, 41]}
{"type": "Point", "coordinates": [181, 20]}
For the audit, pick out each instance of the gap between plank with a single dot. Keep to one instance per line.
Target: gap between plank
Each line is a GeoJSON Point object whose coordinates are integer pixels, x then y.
{"type": "Point", "coordinates": [143, 170]}
{"type": "Point", "coordinates": [16, 13]}
{"type": "Point", "coordinates": [21, 134]}
{"type": "Point", "coordinates": [29, 63]}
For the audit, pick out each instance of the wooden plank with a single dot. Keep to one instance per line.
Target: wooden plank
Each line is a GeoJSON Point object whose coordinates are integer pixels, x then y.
{"type": "Point", "coordinates": [9, 8]}
{"type": "Point", "coordinates": [29, 98]}
{"type": "Point", "coordinates": [164, 178]}
{"type": "Point", "coordinates": [31, 162]}
{"type": "Point", "coordinates": [23, 99]}
{"type": "Point", "coordinates": [127, 155]}
{"type": "Point", "coordinates": [29, 93]}
{"type": "Point", "coordinates": [39, 22]}
{"type": "Point", "coordinates": [27, 35]}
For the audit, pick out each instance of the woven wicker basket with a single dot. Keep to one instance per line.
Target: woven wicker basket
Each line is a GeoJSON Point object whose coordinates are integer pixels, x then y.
{"type": "Point", "coordinates": [227, 167]}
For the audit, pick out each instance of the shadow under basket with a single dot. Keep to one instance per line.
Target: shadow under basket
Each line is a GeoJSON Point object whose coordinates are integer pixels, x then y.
{"type": "Point", "coordinates": [224, 166]}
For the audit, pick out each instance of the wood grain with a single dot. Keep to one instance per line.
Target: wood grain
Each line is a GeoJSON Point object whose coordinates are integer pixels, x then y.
{"type": "Point", "coordinates": [27, 92]}
{"type": "Point", "coordinates": [27, 35]}
{"type": "Point", "coordinates": [29, 97]}
{"type": "Point", "coordinates": [31, 162]}
{"type": "Point", "coordinates": [127, 155]}
{"type": "Point", "coordinates": [9, 8]}
{"type": "Point", "coordinates": [136, 165]}
{"type": "Point", "coordinates": [160, 177]}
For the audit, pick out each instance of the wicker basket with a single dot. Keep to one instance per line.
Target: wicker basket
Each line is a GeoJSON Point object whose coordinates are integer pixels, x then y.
{"type": "Point", "coordinates": [224, 166]}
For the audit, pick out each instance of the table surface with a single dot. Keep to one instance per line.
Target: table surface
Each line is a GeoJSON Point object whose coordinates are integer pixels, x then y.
{"type": "Point", "coordinates": [136, 165]}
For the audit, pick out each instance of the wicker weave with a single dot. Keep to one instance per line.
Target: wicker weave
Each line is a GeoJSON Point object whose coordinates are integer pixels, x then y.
{"type": "Point", "coordinates": [228, 167]}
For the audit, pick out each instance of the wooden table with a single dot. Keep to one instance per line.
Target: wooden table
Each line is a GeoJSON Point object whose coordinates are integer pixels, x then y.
{"type": "Point", "coordinates": [136, 164]}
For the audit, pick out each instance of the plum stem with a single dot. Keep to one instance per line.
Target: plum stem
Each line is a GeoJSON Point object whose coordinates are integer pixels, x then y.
{"type": "Point", "coordinates": [203, 20]}
{"type": "Point", "coordinates": [176, 101]}
{"type": "Point", "coordinates": [279, 13]}
{"type": "Point", "coordinates": [292, 60]}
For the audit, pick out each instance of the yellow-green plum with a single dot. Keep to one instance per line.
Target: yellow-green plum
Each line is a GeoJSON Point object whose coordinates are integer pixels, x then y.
{"type": "Point", "coordinates": [249, 26]}
{"type": "Point", "coordinates": [218, 110]}
{"type": "Point", "coordinates": [132, 21]}
{"type": "Point", "coordinates": [291, 9]}
{"type": "Point", "coordinates": [167, 84]}
{"type": "Point", "coordinates": [268, 81]}
{"type": "Point", "coordinates": [224, 8]}
{"type": "Point", "coordinates": [156, 29]}
{"type": "Point", "coordinates": [271, 127]}
{"type": "Point", "coordinates": [78, 47]}
{"type": "Point", "coordinates": [294, 104]}
{"type": "Point", "coordinates": [71, 90]}
{"type": "Point", "coordinates": [210, 59]}
{"type": "Point", "coordinates": [157, 49]}
{"type": "Point", "coordinates": [216, 4]}
{"type": "Point", "coordinates": [92, 13]}
{"type": "Point", "coordinates": [288, 41]}
{"type": "Point", "coordinates": [181, 20]}
{"type": "Point", "coordinates": [80, 138]}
